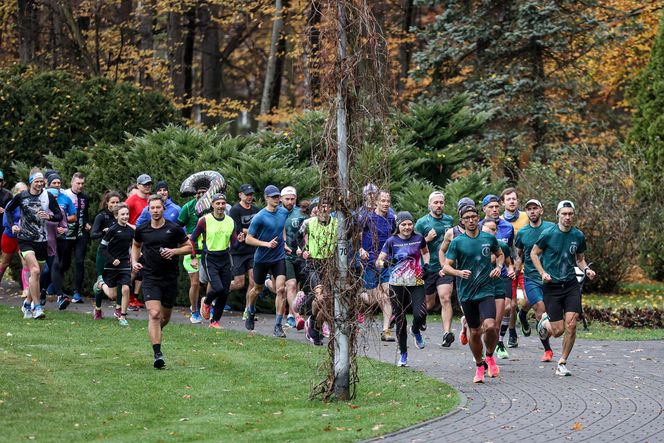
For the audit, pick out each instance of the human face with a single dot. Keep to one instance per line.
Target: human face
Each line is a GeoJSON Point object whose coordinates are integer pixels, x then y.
{"type": "Point", "coordinates": [288, 201]}
{"type": "Point", "coordinates": [273, 201]}
{"type": "Point", "coordinates": [156, 209]}
{"type": "Point", "coordinates": [534, 213]}
{"type": "Point", "coordinates": [566, 217]}
{"type": "Point", "coordinates": [323, 212]}
{"type": "Point", "coordinates": [492, 210]}
{"type": "Point", "coordinates": [77, 185]}
{"type": "Point", "coordinates": [56, 183]}
{"type": "Point", "coordinates": [246, 199]}
{"type": "Point", "coordinates": [384, 202]}
{"type": "Point", "coordinates": [219, 206]}
{"type": "Point", "coordinates": [112, 203]}
{"type": "Point", "coordinates": [406, 228]}
{"type": "Point", "coordinates": [163, 192]}
{"type": "Point", "coordinates": [489, 227]}
{"type": "Point", "coordinates": [123, 216]}
{"type": "Point", "coordinates": [145, 189]}
{"type": "Point", "coordinates": [200, 192]}
{"type": "Point", "coordinates": [470, 220]}
{"type": "Point", "coordinates": [437, 204]}
{"type": "Point", "coordinates": [37, 185]}
{"type": "Point", "coordinates": [511, 202]}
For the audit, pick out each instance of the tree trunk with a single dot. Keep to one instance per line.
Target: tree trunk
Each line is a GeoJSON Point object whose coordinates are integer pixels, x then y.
{"type": "Point", "coordinates": [188, 60]}
{"type": "Point", "coordinates": [271, 69]}
{"type": "Point", "coordinates": [311, 62]}
{"type": "Point", "coordinates": [27, 25]}
{"type": "Point", "coordinates": [210, 62]}
{"type": "Point", "coordinates": [538, 123]}
{"type": "Point", "coordinates": [405, 47]}
{"type": "Point", "coordinates": [145, 12]}
{"type": "Point", "coordinates": [275, 94]}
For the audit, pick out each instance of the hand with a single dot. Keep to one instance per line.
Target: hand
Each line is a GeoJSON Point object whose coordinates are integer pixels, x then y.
{"type": "Point", "coordinates": [16, 229]}
{"type": "Point", "coordinates": [137, 266]}
{"type": "Point", "coordinates": [273, 243]}
{"type": "Point", "coordinates": [2, 210]}
{"type": "Point", "coordinates": [495, 272]}
{"type": "Point", "coordinates": [88, 227]}
{"type": "Point", "coordinates": [116, 262]}
{"type": "Point", "coordinates": [166, 253]}
{"type": "Point", "coordinates": [380, 264]}
{"type": "Point", "coordinates": [364, 255]}
{"type": "Point", "coordinates": [425, 268]}
{"type": "Point", "coordinates": [306, 255]}
{"type": "Point", "coordinates": [441, 273]}
{"type": "Point", "coordinates": [298, 252]}
{"type": "Point", "coordinates": [194, 263]}
{"type": "Point", "coordinates": [42, 214]}
{"type": "Point", "coordinates": [546, 278]}
{"type": "Point", "coordinates": [60, 230]}
{"type": "Point", "coordinates": [590, 273]}
{"type": "Point", "coordinates": [431, 235]}
{"type": "Point", "coordinates": [510, 272]}
{"type": "Point", "coordinates": [241, 237]}
{"type": "Point", "coordinates": [465, 274]}
{"type": "Point", "coordinates": [288, 250]}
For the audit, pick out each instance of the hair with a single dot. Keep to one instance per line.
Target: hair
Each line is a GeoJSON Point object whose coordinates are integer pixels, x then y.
{"type": "Point", "coordinates": [383, 191]}
{"type": "Point", "coordinates": [154, 197]}
{"type": "Point", "coordinates": [131, 187]}
{"type": "Point", "coordinates": [79, 175]}
{"type": "Point", "coordinates": [305, 205]}
{"type": "Point", "coordinates": [18, 187]}
{"type": "Point", "coordinates": [122, 205]}
{"type": "Point", "coordinates": [506, 192]}
{"type": "Point", "coordinates": [103, 204]}
{"type": "Point", "coordinates": [489, 220]}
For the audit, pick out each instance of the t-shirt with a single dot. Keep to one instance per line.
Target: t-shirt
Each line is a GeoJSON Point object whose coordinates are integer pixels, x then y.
{"type": "Point", "coordinates": [504, 231]}
{"type": "Point", "coordinates": [171, 213]}
{"type": "Point", "coordinates": [293, 236]}
{"type": "Point", "coordinates": [506, 253]}
{"type": "Point", "coordinates": [115, 245]}
{"type": "Point", "coordinates": [559, 251]}
{"type": "Point", "coordinates": [169, 236]}
{"type": "Point", "coordinates": [81, 201]}
{"type": "Point", "coordinates": [265, 226]}
{"type": "Point", "coordinates": [135, 203]}
{"type": "Point", "coordinates": [404, 257]}
{"type": "Point", "coordinates": [33, 228]}
{"type": "Point", "coordinates": [188, 216]}
{"type": "Point", "coordinates": [376, 229]}
{"type": "Point", "coordinates": [525, 240]}
{"type": "Point", "coordinates": [473, 254]}
{"type": "Point", "coordinates": [242, 218]}
{"type": "Point", "coordinates": [217, 234]}
{"type": "Point", "coordinates": [441, 225]}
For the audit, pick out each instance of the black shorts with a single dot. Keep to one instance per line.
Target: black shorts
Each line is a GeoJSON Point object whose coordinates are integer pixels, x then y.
{"type": "Point", "coordinates": [503, 288]}
{"type": "Point", "coordinates": [165, 291]}
{"type": "Point", "coordinates": [432, 280]}
{"type": "Point", "coordinates": [242, 264]}
{"type": "Point", "coordinates": [295, 270]}
{"type": "Point", "coordinates": [478, 310]}
{"type": "Point", "coordinates": [116, 277]}
{"type": "Point", "coordinates": [274, 268]}
{"type": "Point", "coordinates": [560, 298]}
{"type": "Point", "coordinates": [40, 248]}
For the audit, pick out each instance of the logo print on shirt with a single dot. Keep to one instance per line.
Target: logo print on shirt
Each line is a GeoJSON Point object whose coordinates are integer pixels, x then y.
{"type": "Point", "coordinates": [486, 251]}
{"type": "Point", "coordinates": [572, 248]}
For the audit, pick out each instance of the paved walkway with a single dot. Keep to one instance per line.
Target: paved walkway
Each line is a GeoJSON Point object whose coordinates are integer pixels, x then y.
{"type": "Point", "coordinates": [616, 392]}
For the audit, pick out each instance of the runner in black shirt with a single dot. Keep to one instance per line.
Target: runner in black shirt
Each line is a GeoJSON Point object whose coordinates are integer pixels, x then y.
{"type": "Point", "coordinates": [159, 242]}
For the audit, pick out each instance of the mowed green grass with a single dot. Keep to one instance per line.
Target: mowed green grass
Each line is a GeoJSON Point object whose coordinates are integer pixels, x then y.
{"type": "Point", "coordinates": [68, 378]}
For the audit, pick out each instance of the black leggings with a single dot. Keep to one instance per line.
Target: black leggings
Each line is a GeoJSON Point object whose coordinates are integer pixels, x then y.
{"type": "Point", "coordinates": [67, 248]}
{"type": "Point", "coordinates": [219, 273]}
{"type": "Point", "coordinates": [402, 297]}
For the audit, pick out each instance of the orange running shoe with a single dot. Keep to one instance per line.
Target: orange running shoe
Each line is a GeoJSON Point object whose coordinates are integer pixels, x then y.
{"type": "Point", "coordinates": [548, 356]}
{"type": "Point", "coordinates": [463, 337]}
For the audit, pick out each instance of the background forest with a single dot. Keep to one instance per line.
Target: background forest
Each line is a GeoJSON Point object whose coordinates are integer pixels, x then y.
{"type": "Point", "coordinates": [561, 98]}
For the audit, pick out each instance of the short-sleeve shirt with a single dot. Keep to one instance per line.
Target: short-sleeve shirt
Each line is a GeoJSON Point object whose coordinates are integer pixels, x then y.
{"type": "Point", "coordinates": [242, 218]}
{"type": "Point", "coordinates": [559, 251]}
{"type": "Point", "coordinates": [117, 241]}
{"type": "Point", "coordinates": [169, 236]}
{"type": "Point", "coordinates": [265, 226]}
{"type": "Point", "coordinates": [376, 229]}
{"type": "Point", "coordinates": [441, 225]}
{"type": "Point", "coordinates": [293, 223]}
{"type": "Point", "coordinates": [135, 203]}
{"type": "Point", "coordinates": [405, 256]}
{"type": "Point", "coordinates": [525, 240]}
{"type": "Point", "coordinates": [504, 231]}
{"type": "Point", "coordinates": [473, 254]}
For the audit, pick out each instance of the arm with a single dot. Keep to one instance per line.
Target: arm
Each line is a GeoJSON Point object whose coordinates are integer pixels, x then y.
{"type": "Point", "coordinates": [444, 246]}
{"type": "Point", "coordinates": [581, 263]}
{"type": "Point", "coordinates": [253, 241]}
{"type": "Point", "coordinates": [96, 227]}
{"type": "Point", "coordinates": [426, 258]}
{"type": "Point", "coordinates": [449, 269]}
{"type": "Point", "coordinates": [103, 246]}
{"type": "Point", "coordinates": [380, 262]}
{"type": "Point", "coordinates": [534, 256]}
{"type": "Point", "coordinates": [518, 263]}
{"type": "Point", "coordinates": [9, 209]}
{"type": "Point", "coordinates": [136, 255]}
{"type": "Point", "coordinates": [143, 218]}
{"type": "Point", "coordinates": [54, 208]}
{"type": "Point", "coordinates": [193, 238]}
{"type": "Point", "coordinates": [500, 261]}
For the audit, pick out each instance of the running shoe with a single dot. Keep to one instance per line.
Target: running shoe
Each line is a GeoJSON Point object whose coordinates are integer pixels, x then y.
{"type": "Point", "coordinates": [97, 287]}
{"type": "Point", "coordinates": [279, 331]}
{"type": "Point", "coordinates": [542, 330]}
{"type": "Point", "coordinates": [123, 321]}
{"type": "Point", "coordinates": [525, 324]}
{"type": "Point", "coordinates": [245, 314]}
{"type": "Point", "coordinates": [418, 339]}
{"type": "Point", "coordinates": [117, 313]}
{"type": "Point", "coordinates": [249, 322]}
{"type": "Point", "coordinates": [63, 302]}
{"type": "Point", "coordinates": [479, 373]}
{"type": "Point", "coordinates": [562, 370]}
{"type": "Point", "coordinates": [299, 322]}
{"type": "Point", "coordinates": [311, 333]}
{"type": "Point", "coordinates": [493, 368]}
{"type": "Point", "coordinates": [360, 318]}
{"type": "Point", "coordinates": [77, 298]}
{"type": "Point", "coordinates": [463, 336]}
{"type": "Point", "coordinates": [38, 313]}
{"type": "Point", "coordinates": [27, 310]}
{"type": "Point", "coordinates": [212, 311]}
{"type": "Point", "coordinates": [290, 320]}
{"type": "Point", "coordinates": [513, 341]}
{"type": "Point", "coordinates": [98, 315]}
{"type": "Point", "coordinates": [403, 360]}
{"type": "Point", "coordinates": [326, 330]}
{"type": "Point", "coordinates": [195, 318]}
{"type": "Point", "coordinates": [548, 356]}
{"type": "Point", "coordinates": [215, 325]}
{"type": "Point", "coordinates": [448, 339]}
{"type": "Point", "coordinates": [387, 335]}
{"type": "Point", "coordinates": [159, 360]}
{"type": "Point", "coordinates": [205, 311]}
{"type": "Point", "coordinates": [501, 352]}
{"type": "Point", "coordinates": [227, 308]}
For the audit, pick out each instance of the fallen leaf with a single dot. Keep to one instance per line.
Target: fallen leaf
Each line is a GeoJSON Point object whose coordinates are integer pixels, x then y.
{"type": "Point", "coordinates": [577, 426]}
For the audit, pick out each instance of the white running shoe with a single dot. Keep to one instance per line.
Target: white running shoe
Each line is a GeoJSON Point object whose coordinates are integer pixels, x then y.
{"type": "Point", "coordinates": [38, 312]}
{"type": "Point", "coordinates": [562, 370]}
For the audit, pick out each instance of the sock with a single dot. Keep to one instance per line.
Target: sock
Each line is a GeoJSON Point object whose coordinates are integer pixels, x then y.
{"type": "Point", "coordinates": [489, 354]}
{"type": "Point", "coordinates": [480, 364]}
{"type": "Point", "coordinates": [98, 298]}
{"type": "Point", "coordinates": [512, 330]}
{"type": "Point", "coordinates": [546, 344]}
{"type": "Point", "coordinates": [279, 319]}
{"type": "Point", "coordinates": [25, 277]}
{"type": "Point", "coordinates": [504, 324]}
{"type": "Point", "coordinates": [252, 309]}
{"type": "Point", "coordinates": [156, 348]}
{"type": "Point", "coordinates": [523, 316]}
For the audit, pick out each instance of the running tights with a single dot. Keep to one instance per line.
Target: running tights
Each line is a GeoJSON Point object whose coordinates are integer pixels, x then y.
{"type": "Point", "coordinates": [403, 297]}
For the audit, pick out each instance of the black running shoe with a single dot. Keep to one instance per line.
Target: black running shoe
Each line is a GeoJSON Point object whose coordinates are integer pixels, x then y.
{"type": "Point", "coordinates": [525, 325]}
{"type": "Point", "coordinates": [448, 339]}
{"type": "Point", "coordinates": [513, 341]}
{"type": "Point", "coordinates": [159, 360]}
{"type": "Point", "coordinates": [279, 331]}
{"type": "Point", "coordinates": [249, 322]}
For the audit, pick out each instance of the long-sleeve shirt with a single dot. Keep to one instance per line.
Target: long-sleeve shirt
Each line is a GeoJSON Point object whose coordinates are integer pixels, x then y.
{"type": "Point", "coordinates": [103, 220]}
{"type": "Point", "coordinates": [33, 228]}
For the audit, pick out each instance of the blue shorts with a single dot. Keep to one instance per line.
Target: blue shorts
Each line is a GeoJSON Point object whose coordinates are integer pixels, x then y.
{"type": "Point", "coordinates": [534, 291]}
{"type": "Point", "coordinates": [372, 275]}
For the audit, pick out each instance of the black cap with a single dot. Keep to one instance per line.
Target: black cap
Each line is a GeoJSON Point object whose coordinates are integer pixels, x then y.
{"type": "Point", "coordinates": [161, 184]}
{"type": "Point", "coordinates": [246, 189]}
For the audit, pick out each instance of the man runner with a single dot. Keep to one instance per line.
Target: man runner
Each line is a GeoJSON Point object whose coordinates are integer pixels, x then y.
{"type": "Point", "coordinates": [76, 238]}
{"type": "Point", "coordinates": [433, 227]}
{"type": "Point", "coordinates": [158, 242]}
{"type": "Point", "coordinates": [561, 247]}
{"type": "Point", "coordinates": [295, 272]}
{"type": "Point", "coordinates": [136, 202]}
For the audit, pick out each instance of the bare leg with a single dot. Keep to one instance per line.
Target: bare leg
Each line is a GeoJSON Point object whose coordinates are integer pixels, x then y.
{"type": "Point", "coordinates": [490, 335]}
{"type": "Point", "coordinates": [570, 334]}
{"type": "Point", "coordinates": [154, 321]}
{"type": "Point", "coordinates": [194, 290]}
{"type": "Point", "coordinates": [445, 297]}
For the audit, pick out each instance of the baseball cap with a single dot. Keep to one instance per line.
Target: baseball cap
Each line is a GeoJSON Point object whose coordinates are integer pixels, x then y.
{"type": "Point", "coordinates": [144, 179]}
{"type": "Point", "coordinates": [246, 189]}
{"type": "Point", "coordinates": [370, 188]}
{"type": "Point", "coordinates": [218, 196]}
{"type": "Point", "coordinates": [490, 199]}
{"type": "Point", "coordinates": [467, 208]}
{"type": "Point", "coordinates": [288, 190]}
{"type": "Point", "coordinates": [271, 191]}
{"type": "Point", "coordinates": [533, 201]}
{"type": "Point", "coordinates": [565, 204]}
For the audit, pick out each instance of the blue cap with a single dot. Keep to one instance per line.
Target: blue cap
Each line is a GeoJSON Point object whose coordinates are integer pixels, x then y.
{"type": "Point", "coordinates": [272, 191]}
{"type": "Point", "coordinates": [490, 199]}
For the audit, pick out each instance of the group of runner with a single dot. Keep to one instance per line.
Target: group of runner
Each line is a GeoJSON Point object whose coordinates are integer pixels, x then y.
{"type": "Point", "coordinates": [405, 264]}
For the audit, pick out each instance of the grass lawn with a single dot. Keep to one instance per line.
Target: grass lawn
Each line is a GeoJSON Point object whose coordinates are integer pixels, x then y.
{"type": "Point", "coordinates": [68, 378]}
{"type": "Point", "coordinates": [606, 331]}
